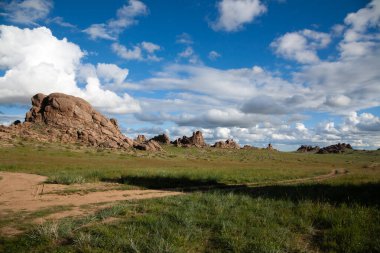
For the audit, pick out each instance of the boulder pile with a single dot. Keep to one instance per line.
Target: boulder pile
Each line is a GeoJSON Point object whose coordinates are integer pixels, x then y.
{"type": "Point", "coordinates": [308, 149]}
{"type": "Point", "coordinates": [229, 144]}
{"type": "Point", "coordinates": [162, 138]}
{"type": "Point", "coordinates": [196, 140]}
{"type": "Point", "coordinates": [335, 149]}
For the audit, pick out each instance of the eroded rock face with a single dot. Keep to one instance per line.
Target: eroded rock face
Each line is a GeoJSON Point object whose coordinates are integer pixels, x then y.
{"type": "Point", "coordinates": [150, 145]}
{"type": "Point", "coordinates": [140, 138]}
{"type": "Point", "coordinates": [162, 138]}
{"type": "Point", "coordinates": [195, 140]}
{"type": "Point", "coordinates": [308, 149]}
{"type": "Point", "coordinates": [335, 149]}
{"type": "Point", "coordinates": [230, 144]}
{"type": "Point", "coordinates": [68, 119]}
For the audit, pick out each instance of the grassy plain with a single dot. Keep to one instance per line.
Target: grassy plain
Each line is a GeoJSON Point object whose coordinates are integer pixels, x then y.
{"type": "Point", "coordinates": [341, 214]}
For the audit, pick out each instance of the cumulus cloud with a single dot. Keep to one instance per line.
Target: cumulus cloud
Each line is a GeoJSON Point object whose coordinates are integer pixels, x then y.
{"type": "Point", "coordinates": [301, 46]}
{"type": "Point", "coordinates": [35, 61]}
{"type": "Point", "coordinates": [234, 14]}
{"type": "Point", "coordinates": [26, 12]}
{"type": "Point", "coordinates": [125, 17]}
{"type": "Point", "coordinates": [144, 51]}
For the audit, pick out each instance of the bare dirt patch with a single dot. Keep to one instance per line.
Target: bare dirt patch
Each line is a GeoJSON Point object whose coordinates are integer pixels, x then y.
{"type": "Point", "coordinates": [27, 192]}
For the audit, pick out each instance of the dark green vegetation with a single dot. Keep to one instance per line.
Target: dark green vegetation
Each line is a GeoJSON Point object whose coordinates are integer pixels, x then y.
{"type": "Point", "coordinates": [341, 214]}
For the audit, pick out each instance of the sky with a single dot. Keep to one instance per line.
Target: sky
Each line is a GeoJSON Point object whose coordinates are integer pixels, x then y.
{"type": "Point", "coordinates": [286, 72]}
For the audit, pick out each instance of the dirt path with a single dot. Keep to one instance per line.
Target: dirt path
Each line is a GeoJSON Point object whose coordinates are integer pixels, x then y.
{"type": "Point", "coordinates": [27, 192]}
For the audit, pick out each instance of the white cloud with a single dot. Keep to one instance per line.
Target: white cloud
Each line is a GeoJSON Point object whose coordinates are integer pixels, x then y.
{"type": "Point", "coordinates": [35, 61]}
{"type": "Point", "coordinates": [125, 17]}
{"type": "Point", "coordinates": [184, 38]}
{"type": "Point", "coordinates": [61, 22]}
{"type": "Point", "coordinates": [150, 47]}
{"type": "Point", "coordinates": [100, 31]}
{"type": "Point", "coordinates": [111, 74]}
{"type": "Point", "coordinates": [213, 55]}
{"type": "Point", "coordinates": [26, 12]}
{"type": "Point", "coordinates": [234, 14]}
{"type": "Point", "coordinates": [190, 55]}
{"type": "Point", "coordinates": [301, 46]}
{"type": "Point", "coordinates": [144, 51]}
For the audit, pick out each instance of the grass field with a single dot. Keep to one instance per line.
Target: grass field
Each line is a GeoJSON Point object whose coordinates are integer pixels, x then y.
{"type": "Point", "coordinates": [340, 214]}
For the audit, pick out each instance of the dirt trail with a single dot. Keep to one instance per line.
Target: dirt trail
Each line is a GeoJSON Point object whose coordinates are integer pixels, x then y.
{"type": "Point", "coordinates": [27, 192]}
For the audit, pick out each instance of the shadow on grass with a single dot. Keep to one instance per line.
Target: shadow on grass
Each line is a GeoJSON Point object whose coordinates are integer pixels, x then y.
{"type": "Point", "coordinates": [160, 182]}
{"type": "Point", "coordinates": [362, 194]}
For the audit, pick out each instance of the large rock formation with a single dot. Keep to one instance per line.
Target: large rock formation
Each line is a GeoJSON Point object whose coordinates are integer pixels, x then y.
{"type": "Point", "coordinates": [195, 140]}
{"type": "Point", "coordinates": [308, 149]}
{"type": "Point", "coordinates": [337, 148]}
{"type": "Point", "coordinates": [162, 138]}
{"type": "Point", "coordinates": [230, 144]}
{"type": "Point", "coordinates": [68, 119]}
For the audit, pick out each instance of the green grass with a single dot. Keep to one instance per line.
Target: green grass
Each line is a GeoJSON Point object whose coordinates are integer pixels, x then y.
{"type": "Point", "coordinates": [341, 214]}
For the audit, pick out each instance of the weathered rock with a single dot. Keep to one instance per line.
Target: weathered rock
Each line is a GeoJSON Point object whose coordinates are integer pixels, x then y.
{"type": "Point", "coordinates": [140, 138]}
{"type": "Point", "coordinates": [270, 147]}
{"type": "Point", "coordinates": [229, 144]}
{"type": "Point", "coordinates": [69, 119]}
{"type": "Point", "coordinates": [16, 122]}
{"type": "Point", "coordinates": [195, 140]}
{"type": "Point", "coordinates": [249, 147]}
{"type": "Point", "coordinates": [162, 138]}
{"type": "Point", "coordinates": [335, 149]}
{"type": "Point", "coordinates": [150, 145]}
{"type": "Point", "coordinates": [308, 149]}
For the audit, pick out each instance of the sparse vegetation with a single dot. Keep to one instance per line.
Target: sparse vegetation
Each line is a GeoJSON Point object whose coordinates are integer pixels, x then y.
{"type": "Point", "coordinates": [340, 214]}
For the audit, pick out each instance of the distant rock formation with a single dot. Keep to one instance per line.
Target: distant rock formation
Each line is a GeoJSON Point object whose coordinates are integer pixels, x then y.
{"type": "Point", "coordinates": [67, 119]}
{"type": "Point", "coordinates": [228, 144]}
{"type": "Point", "coordinates": [150, 145]}
{"type": "Point", "coordinates": [162, 138]}
{"type": "Point", "coordinates": [308, 149]}
{"type": "Point", "coordinates": [250, 147]}
{"type": "Point", "coordinates": [195, 140]}
{"type": "Point", "coordinates": [335, 149]}
{"type": "Point", "coordinates": [270, 147]}
{"type": "Point", "coordinates": [140, 138]}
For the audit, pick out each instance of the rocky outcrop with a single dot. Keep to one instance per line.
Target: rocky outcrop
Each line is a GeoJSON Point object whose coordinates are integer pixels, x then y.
{"type": "Point", "coordinates": [150, 145]}
{"type": "Point", "coordinates": [308, 149]}
{"type": "Point", "coordinates": [270, 147]}
{"type": "Point", "coordinates": [195, 140]}
{"type": "Point", "coordinates": [335, 149]}
{"type": "Point", "coordinates": [228, 144]}
{"type": "Point", "coordinates": [140, 138]}
{"type": "Point", "coordinates": [250, 147]}
{"type": "Point", "coordinates": [67, 119]}
{"type": "Point", "coordinates": [162, 139]}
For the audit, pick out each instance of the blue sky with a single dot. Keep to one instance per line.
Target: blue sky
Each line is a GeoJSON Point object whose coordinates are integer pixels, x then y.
{"type": "Point", "coordinates": [289, 72]}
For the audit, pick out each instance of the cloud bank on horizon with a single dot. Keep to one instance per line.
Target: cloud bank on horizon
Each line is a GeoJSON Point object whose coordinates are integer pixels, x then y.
{"type": "Point", "coordinates": [314, 84]}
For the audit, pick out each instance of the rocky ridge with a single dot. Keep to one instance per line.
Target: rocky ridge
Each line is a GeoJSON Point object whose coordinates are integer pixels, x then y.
{"type": "Point", "coordinates": [196, 140]}
{"type": "Point", "coordinates": [228, 144]}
